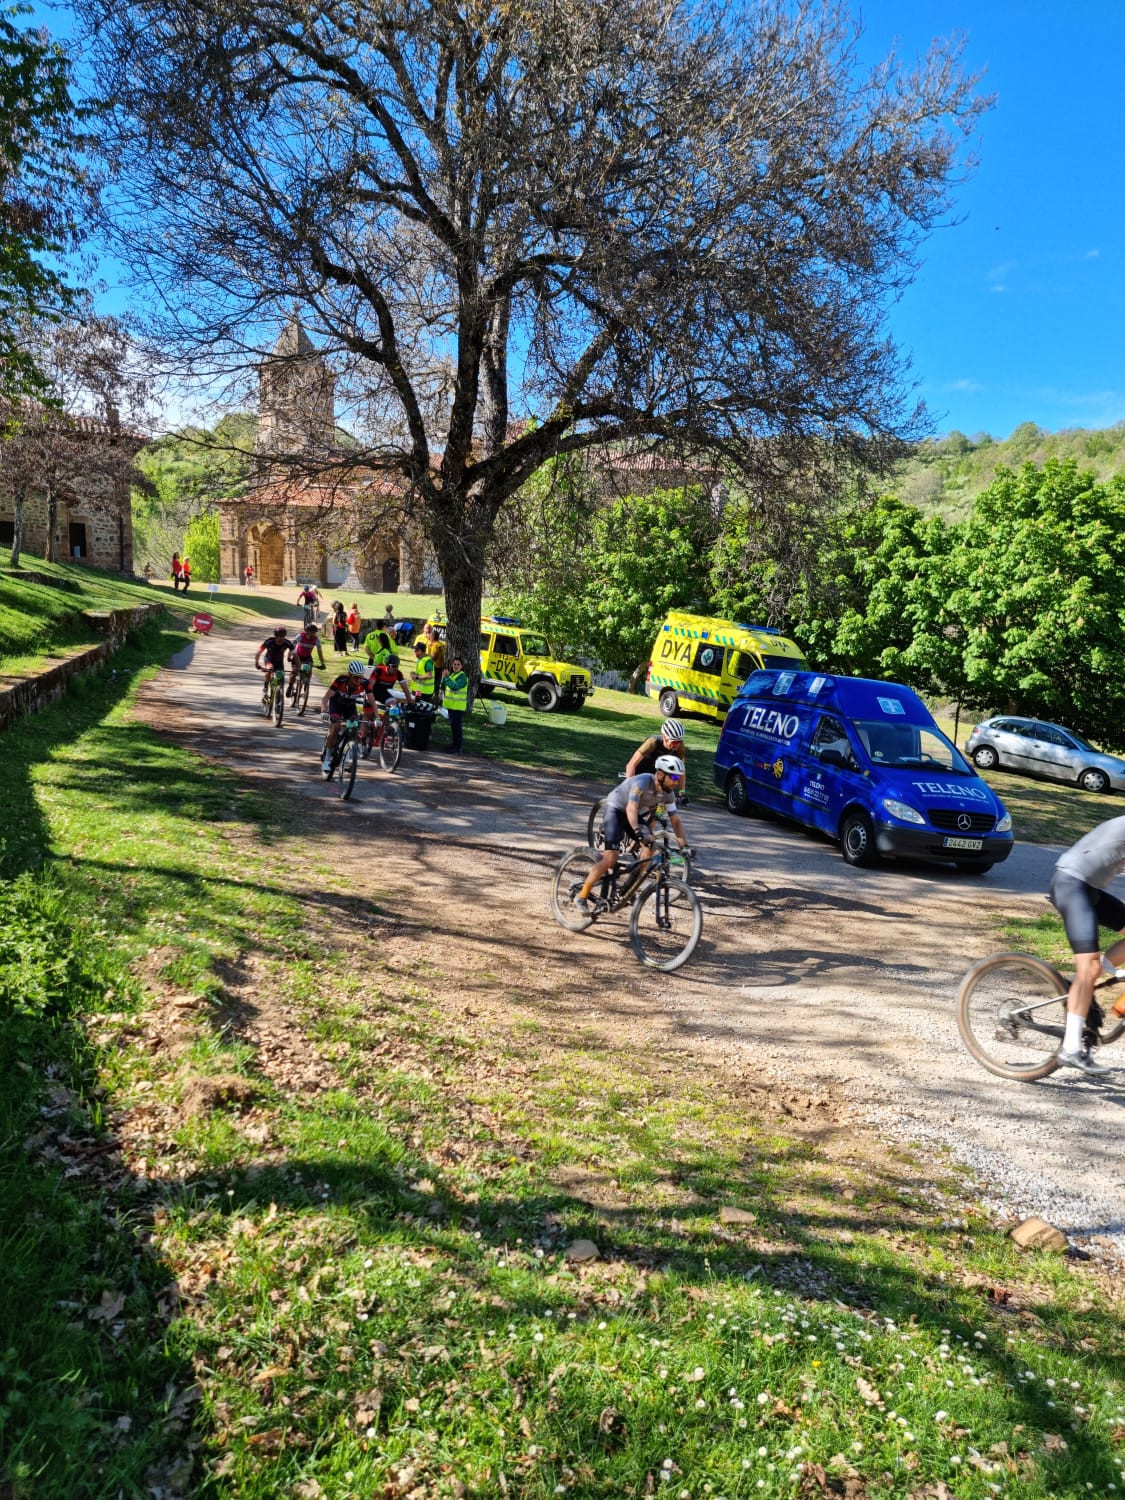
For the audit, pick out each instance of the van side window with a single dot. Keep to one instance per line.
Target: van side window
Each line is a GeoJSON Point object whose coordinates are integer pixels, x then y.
{"type": "Point", "coordinates": [709, 658]}
{"type": "Point", "coordinates": [830, 743]}
{"type": "Point", "coordinates": [506, 646]}
{"type": "Point", "coordinates": [485, 643]}
{"type": "Point", "coordinates": [741, 665]}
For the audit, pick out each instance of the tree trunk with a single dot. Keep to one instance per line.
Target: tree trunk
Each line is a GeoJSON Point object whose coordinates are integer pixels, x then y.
{"type": "Point", "coordinates": [17, 530]}
{"type": "Point", "coordinates": [463, 592]}
{"type": "Point", "coordinates": [50, 548]}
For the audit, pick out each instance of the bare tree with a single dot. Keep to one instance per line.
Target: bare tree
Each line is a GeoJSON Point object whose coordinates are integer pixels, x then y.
{"type": "Point", "coordinates": [77, 442]}
{"type": "Point", "coordinates": [631, 220]}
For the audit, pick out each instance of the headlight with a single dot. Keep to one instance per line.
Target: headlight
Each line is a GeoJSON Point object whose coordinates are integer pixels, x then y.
{"type": "Point", "coordinates": [903, 811]}
{"type": "Point", "coordinates": [1005, 824]}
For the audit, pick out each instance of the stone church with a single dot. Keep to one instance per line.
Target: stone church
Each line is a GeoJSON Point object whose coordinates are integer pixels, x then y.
{"type": "Point", "coordinates": [296, 525]}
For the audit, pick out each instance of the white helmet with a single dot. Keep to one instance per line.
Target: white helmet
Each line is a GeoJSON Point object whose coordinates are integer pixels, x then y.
{"type": "Point", "coordinates": [672, 729]}
{"type": "Point", "coordinates": [671, 764]}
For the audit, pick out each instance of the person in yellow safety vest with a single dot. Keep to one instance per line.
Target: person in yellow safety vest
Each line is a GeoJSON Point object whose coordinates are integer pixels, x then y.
{"type": "Point", "coordinates": [422, 679]}
{"type": "Point", "coordinates": [378, 648]}
{"type": "Point", "coordinates": [455, 698]}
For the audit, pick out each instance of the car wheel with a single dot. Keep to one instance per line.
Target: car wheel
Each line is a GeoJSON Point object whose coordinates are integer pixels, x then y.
{"type": "Point", "coordinates": [669, 703]}
{"type": "Point", "coordinates": [543, 696]}
{"type": "Point", "coordinates": [737, 799]}
{"type": "Point", "coordinates": [985, 758]}
{"type": "Point", "coordinates": [1093, 780]}
{"type": "Point", "coordinates": [857, 839]}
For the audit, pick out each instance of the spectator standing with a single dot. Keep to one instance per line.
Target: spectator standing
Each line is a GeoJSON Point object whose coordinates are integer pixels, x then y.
{"type": "Point", "coordinates": [436, 648]}
{"type": "Point", "coordinates": [248, 576]}
{"type": "Point", "coordinates": [378, 647]}
{"type": "Point", "coordinates": [339, 629]}
{"type": "Point", "coordinates": [177, 572]}
{"type": "Point", "coordinates": [185, 572]}
{"type": "Point", "coordinates": [455, 697]}
{"type": "Point", "coordinates": [355, 625]}
{"type": "Point", "coordinates": [422, 679]}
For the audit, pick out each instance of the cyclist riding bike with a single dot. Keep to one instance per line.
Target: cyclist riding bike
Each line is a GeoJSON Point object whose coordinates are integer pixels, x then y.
{"type": "Point", "coordinates": [310, 598]}
{"type": "Point", "coordinates": [670, 741]}
{"type": "Point", "coordinates": [276, 648]}
{"type": "Point", "coordinates": [344, 698]}
{"type": "Point", "coordinates": [303, 647]}
{"type": "Point", "coordinates": [631, 806]}
{"type": "Point", "coordinates": [386, 675]}
{"type": "Point", "coordinates": [1079, 894]}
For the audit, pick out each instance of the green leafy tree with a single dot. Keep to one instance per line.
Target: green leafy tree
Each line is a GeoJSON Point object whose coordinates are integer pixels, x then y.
{"type": "Point", "coordinates": [42, 186]}
{"type": "Point", "coordinates": [188, 471]}
{"type": "Point", "coordinates": [1034, 593]}
{"type": "Point", "coordinates": [201, 545]}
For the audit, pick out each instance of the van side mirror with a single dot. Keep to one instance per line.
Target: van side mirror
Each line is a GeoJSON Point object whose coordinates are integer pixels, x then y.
{"type": "Point", "coordinates": [830, 756]}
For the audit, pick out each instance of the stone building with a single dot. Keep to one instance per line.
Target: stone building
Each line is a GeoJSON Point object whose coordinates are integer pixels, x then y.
{"type": "Point", "coordinates": [93, 519]}
{"type": "Point", "coordinates": [295, 525]}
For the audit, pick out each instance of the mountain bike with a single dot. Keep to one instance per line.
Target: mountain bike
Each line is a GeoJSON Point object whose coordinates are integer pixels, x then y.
{"type": "Point", "coordinates": [666, 918]}
{"type": "Point", "coordinates": [680, 860]}
{"type": "Point", "coordinates": [383, 733]}
{"type": "Point", "coordinates": [345, 758]}
{"type": "Point", "coordinates": [273, 695]}
{"type": "Point", "coordinates": [1011, 1013]}
{"type": "Point", "coordinates": [299, 681]}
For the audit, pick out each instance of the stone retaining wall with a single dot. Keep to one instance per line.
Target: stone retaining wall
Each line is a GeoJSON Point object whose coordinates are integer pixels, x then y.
{"type": "Point", "coordinates": [28, 695]}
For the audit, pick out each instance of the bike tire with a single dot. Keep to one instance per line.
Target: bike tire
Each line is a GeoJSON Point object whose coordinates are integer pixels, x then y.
{"type": "Point", "coordinates": [666, 924]}
{"type": "Point", "coordinates": [302, 699]}
{"type": "Point", "coordinates": [346, 769]}
{"type": "Point", "coordinates": [595, 825]}
{"type": "Point", "coordinates": [390, 749]}
{"type": "Point", "coordinates": [278, 704]}
{"type": "Point", "coordinates": [267, 702]}
{"type": "Point", "coordinates": [569, 875]}
{"type": "Point", "coordinates": [1011, 1013]}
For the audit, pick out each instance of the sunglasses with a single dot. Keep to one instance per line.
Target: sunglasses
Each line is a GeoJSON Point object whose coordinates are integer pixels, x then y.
{"type": "Point", "coordinates": [671, 776]}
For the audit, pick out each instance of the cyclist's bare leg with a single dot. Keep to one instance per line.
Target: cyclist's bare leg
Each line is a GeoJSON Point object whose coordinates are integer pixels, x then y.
{"type": "Point", "coordinates": [603, 867]}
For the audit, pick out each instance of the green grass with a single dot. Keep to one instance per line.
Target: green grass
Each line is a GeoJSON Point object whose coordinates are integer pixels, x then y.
{"type": "Point", "coordinates": [593, 744]}
{"type": "Point", "coordinates": [361, 1289]}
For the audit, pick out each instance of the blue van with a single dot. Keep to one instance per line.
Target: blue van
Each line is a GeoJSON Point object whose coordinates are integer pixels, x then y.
{"type": "Point", "coordinates": [863, 761]}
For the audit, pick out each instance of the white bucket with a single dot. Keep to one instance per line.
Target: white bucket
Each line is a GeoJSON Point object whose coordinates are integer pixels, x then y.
{"type": "Point", "coordinates": [497, 713]}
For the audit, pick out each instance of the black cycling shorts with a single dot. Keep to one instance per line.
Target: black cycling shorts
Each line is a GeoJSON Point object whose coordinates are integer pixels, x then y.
{"type": "Point", "coordinates": [1083, 909]}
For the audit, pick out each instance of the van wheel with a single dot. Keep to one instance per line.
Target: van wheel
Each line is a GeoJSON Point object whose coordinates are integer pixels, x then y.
{"type": "Point", "coordinates": [857, 839]}
{"type": "Point", "coordinates": [669, 704]}
{"type": "Point", "coordinates": [738, 800]}
{"type": "Point", "coordinates": [543, 696]}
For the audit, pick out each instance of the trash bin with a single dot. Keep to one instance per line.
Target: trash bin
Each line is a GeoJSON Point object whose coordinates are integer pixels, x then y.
{"type": "Point", "coordinates": [417, 721]}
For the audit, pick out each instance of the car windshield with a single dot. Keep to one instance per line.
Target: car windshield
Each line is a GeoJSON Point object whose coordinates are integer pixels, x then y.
{"type": "Point", "coordinates": [534, 645]}
{"type": "Point", "coordinates": [911, 746]}
{"type": "Point", "coordinates": [785, 663]}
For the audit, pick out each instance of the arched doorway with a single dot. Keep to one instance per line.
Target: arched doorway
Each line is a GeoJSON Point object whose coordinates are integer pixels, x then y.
{"type": "Point", "coordinates": [390, 575]}
{"type": "Point", "coordinates": [271, 557]}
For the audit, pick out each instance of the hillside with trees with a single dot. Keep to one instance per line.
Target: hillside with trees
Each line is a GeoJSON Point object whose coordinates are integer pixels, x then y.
{"type": "Point", "coordinates": [944, 475]}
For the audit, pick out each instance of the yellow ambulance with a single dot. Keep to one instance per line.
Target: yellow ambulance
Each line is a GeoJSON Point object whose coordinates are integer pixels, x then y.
{"type": "Point", "coordinates": [699, 662]}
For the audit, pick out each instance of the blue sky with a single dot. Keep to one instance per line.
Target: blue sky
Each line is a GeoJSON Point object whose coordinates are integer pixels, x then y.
{"type": "Point", "coordinates": [1019, 312]}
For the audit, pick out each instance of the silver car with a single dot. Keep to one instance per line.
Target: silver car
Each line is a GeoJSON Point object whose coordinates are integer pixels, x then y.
{"type": "Point", "coordinates": [1044, 750]}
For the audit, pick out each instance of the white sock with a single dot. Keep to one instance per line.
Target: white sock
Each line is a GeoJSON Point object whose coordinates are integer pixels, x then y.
{"type": "Point", "coordinates": [1072, 1041]}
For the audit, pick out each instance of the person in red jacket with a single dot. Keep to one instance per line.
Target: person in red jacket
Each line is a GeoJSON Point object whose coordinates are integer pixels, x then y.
{"type": "Point", "coordinates": [185, 573]}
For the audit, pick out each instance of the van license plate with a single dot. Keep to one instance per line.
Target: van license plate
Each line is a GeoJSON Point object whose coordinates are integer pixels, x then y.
{"type": "Point", "coordinates": [962, 843]}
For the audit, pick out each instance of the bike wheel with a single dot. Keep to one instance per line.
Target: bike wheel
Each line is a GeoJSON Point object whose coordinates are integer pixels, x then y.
{"type": "Point", "coordinates": [278, 704]}
{"type": "Point", "coordinates": [569, 876]}
{"type": "Point", "coordinates": [1011, 1013]}
{"type": "Point", "coordinates": [366, 742]}
{"type": "Point", "coordinates": [679, 865]}
{"type": "Point", "coordinates": [595, 825]}
{"type": "Point", "coordinates": [267, 701]}
{"type": "Point", "coordinates": [666, 923]}
{"type": "Point", "coordinates": [390, 749]}
{"type": "Point", "coordinates": [303, 692]}
{"type": "Point", "coordinates": [346, 769]}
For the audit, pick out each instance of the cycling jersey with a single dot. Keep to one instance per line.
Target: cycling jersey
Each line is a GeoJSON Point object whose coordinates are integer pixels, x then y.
{"type": "Point", "coordinates": [305, 645]}
{"type": "Point", "coordinates": [275, 651]}
{"type": "Point", "coordinates": [649, 751]}
{"type": "Point", "coordinates": [1097, 858]}
{"type": "Point", "coordinates": [643, 791]}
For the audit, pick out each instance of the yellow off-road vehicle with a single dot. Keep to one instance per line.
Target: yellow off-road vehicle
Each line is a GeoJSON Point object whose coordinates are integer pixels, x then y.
{"type": "Point", "coordinates": [522, 660]}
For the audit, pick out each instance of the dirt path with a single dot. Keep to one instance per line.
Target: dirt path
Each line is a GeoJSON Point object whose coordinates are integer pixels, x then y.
{"type": "Point", "coordinates": [812, 978]}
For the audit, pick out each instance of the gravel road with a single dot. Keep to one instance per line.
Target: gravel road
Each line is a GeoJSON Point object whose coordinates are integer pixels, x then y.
{"type": "Point", "coordinates": [815, 974]}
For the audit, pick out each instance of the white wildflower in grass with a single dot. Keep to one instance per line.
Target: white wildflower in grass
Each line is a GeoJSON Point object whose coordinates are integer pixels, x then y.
{"type": "Point", "coordinates": [701, 1405]}
{"type": "Point", "coordinates": [761, 1454]}
{"type": "Point", "coordinates": [763, 1398]}
{"type": "Point", "coordinates": [667, 1464]}
{"type": "Point", "coordinates": [940, 1416]}
{"type": "Point", "coordinates": [955, 1459]}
